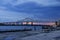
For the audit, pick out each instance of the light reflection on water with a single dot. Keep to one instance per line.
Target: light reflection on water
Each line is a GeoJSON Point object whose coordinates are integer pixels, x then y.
{"type": "Point", "coordinates": [3, 28]}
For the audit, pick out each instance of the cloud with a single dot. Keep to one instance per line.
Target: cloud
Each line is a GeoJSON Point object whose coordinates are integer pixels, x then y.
{"type": "Point", "coordinates": [58, 0]}
{"type": "Point", "coordinates": [12, 16]}
{"type": "Point", "coordinates": [38, 9]}
{"type": "Point", "coordinates": [48, 12]}
{"type": "Point", "coordinates": [42, 2]}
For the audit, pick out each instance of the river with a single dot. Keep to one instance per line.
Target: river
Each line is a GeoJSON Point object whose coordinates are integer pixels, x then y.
{"type": "Point", "coordinates": [14, 35]}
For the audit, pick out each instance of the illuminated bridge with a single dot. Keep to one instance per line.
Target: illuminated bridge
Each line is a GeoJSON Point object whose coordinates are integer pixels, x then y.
{"type": "Point", "coordinates": [30, 22]}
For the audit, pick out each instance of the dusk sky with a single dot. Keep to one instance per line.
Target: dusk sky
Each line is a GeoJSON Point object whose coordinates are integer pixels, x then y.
{"type": "Point", "coordinates": [13, 10]}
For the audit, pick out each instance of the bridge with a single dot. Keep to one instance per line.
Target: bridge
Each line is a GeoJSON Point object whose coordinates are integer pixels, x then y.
{"type": "Point", "coordinates": [29, 22]}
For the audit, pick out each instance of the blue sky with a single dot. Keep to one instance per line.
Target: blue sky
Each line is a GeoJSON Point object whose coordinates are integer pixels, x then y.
{"type": "Point", "coordinates": [13, 10]}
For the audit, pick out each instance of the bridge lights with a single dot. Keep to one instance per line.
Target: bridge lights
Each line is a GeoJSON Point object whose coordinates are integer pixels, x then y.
{"type": "Point", "coordinates": [30, 23]}
{"type": "Point", "coordinates": [27, 23]}
{"type": "Point", "coordinates": [24, 23]}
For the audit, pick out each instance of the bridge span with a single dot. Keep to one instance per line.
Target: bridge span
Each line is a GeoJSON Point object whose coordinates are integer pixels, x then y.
{"type": "Point", "coordinates": [29, 22]}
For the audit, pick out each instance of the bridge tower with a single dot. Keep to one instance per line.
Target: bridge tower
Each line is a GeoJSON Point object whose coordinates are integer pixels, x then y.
{"type": "Point", "coordinates": [58, 23]}
{"type": "Point", "coordinates": [28, 21]}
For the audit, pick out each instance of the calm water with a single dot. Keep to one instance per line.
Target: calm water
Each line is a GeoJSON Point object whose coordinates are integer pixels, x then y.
{"type": "Point", "coordinates": [18, 35]}
{"type": "Point", "coordinates": [14, 35]}
{"type": "Point", "coordinates": [4, 28]}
